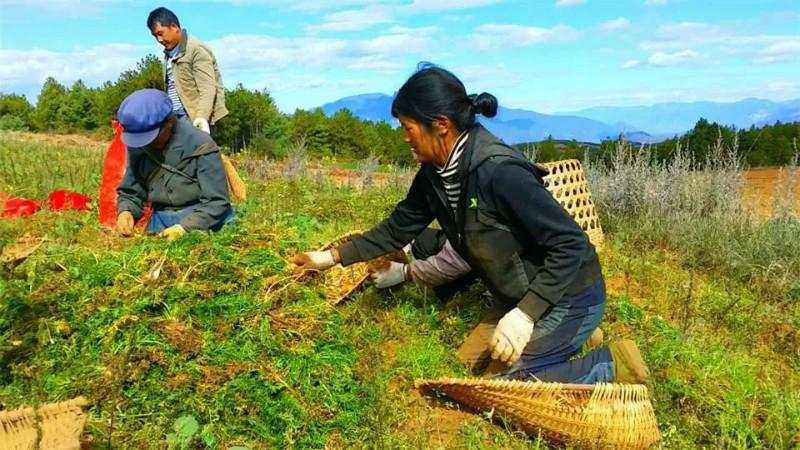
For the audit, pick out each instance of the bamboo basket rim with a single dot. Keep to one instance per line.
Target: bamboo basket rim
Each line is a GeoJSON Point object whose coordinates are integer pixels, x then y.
{"type": "Point", "coordinates": [601, 415]}
{"type": "Point", "coordinates": [48, 426]}
{"type": "Point", "coordinates": [420, 382]}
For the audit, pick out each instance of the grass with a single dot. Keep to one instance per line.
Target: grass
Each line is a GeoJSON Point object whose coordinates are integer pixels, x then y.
{"type": "Point", "coordinates": [206, 356]}
{"type": "Point", "coordinates": [33, 170]}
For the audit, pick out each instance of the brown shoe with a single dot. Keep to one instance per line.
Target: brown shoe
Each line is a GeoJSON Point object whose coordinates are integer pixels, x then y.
{"type": "Point", "coordinates": [594, 341]}
{"type": "Point", "coordinates": [628, 363]}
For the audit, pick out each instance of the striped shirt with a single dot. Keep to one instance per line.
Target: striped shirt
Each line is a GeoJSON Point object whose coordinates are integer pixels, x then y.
{"type": "Point", "coordinates": [449, 172]}
{"type": "Point", "coordinates": [172, 90]}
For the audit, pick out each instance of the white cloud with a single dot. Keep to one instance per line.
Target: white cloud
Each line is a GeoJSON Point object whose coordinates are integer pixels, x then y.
{"type": "Point", "coordinates": [419, 31]}
{"type": "Point", "coordinates": [94, 7]}
{"type": "Point", "coordinates": [672, 59]}
{"type": "Point", "coordinates": [785, 50]}
{"type": "Point", "coordinates": [479, 78]}
{"type": "Point", "coordinates": [450, 5]}
{"type": "Point", "coordinates": [498, 35]}
{"type": "Point", "coordinates": [93, 66]}
{"type": "Point", "coordinates": [353, 20]}
{"type": "Point", "coordinates": [568, 3]}
{"type": "Point", "coordinates": [298, 82]}
{"type": "Point", "coordinates": [382, 53]}
{"type": "Point", "coordinates": [683, 35]}
{"type": "Point", "coordinates": [631, 63]}
{"type": "Point", "coordinates": [619, 23]}
{"type": "Point", "coordinates": [396, 49]}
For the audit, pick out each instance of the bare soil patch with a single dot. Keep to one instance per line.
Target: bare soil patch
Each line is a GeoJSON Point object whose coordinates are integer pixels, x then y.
{"type": "Point", "coordinates": [759, 188]}
{"type": "Point", "coordinates": [74, 140]}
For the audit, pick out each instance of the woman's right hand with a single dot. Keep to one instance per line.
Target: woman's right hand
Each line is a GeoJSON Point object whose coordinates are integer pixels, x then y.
{"type": "Point", "coordinates": [314, 260]}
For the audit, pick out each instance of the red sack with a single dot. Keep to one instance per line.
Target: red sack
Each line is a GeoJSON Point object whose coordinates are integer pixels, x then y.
{"type": "Point", "coordinates": [19, 207]}
{"type": "Point", "coordinates": [113, 171]}
{"type": "Point", "coordinates": [60, 200]}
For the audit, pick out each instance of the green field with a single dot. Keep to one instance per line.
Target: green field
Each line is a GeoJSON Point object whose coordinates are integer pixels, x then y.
{"type": "Point", "coordinates": [223, 349]}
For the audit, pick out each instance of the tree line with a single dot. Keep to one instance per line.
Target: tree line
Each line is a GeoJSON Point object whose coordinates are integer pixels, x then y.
{"type": "Point", "coordinates": [253, 122]}
{"type": "Point", "coordinates": [768, 145]}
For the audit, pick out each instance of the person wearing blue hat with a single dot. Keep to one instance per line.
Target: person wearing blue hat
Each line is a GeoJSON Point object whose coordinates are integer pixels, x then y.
{"type": "Point", "coordinates": [174, 165]}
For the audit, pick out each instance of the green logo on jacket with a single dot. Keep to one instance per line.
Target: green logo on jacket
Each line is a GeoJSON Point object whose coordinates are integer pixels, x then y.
{"type": "Point", "coordinates": [473, 203]}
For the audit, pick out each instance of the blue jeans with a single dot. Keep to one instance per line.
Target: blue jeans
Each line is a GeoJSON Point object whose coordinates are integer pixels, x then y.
{"type": "Point", "coordinates": [559, 335]}
{"type": "Point", "coordinates": [163, 219]}
{"type": "Point", "coordinates": [556, 338]}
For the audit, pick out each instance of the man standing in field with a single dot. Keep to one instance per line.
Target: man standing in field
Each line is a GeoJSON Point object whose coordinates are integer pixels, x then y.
{"type": "Point", "coordinates": [193, 81]}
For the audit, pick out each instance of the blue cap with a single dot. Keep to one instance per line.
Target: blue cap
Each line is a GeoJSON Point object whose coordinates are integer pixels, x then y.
{"type": "Point", "coordinates": [141, 115]}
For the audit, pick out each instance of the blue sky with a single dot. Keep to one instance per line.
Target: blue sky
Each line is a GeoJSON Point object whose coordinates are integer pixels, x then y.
{"type": "Point", "coordinates": [543, 55]}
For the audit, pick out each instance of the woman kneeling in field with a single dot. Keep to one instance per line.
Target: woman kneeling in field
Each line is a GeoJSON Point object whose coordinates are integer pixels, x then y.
{"type": "Point", "coordinates": [543, 273]}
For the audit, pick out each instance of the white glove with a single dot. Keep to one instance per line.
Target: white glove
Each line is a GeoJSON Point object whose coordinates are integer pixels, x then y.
{"type": "Point", "coordinates": [314, 260]}
{"type": "Point", "coordinates": [202, 124]}
{"type": "Point", "coordinates": [392, 276]}
{"type": "Point", "coordinates": [511, 336]}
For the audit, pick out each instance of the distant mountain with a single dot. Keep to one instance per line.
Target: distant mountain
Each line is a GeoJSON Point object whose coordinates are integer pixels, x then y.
{"type": "Point", "coordinates": [519, 125]}
{"type": "Point", "coordinates": [512, 125]}
{"type": "Point", "coordinates": [677, 118]}
{"type": "Point", "coordinates": [648, 124]}
{"type": "Point", "coordinates": [374, 107]}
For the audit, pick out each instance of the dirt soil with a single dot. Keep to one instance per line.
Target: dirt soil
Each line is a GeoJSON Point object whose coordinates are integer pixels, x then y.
{"type": "Point", "coordinates": [56, 139]}
{"type": "Point", "coordinates": [759, 187]}
{"type": "Point", "coordinates": [437, 421]}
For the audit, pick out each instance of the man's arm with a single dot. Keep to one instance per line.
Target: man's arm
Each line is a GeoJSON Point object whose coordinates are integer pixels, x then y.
{"type": "Point", "coordinates": [206, 80]}
{"type": "Point", "coordinates": [214, 200]}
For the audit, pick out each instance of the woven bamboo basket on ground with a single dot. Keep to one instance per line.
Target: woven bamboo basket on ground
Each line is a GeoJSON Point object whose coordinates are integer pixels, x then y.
{"type": "Point", "coordinates": [604, 415]}
{"type": "Point", "coordinates": [340, 282]}
{"type": "Point", "coordinates": [20, 250]}
{"type": "Point", "coordinates": [55, 426]}
{"type": "Point", "coordinates": [567, 182]}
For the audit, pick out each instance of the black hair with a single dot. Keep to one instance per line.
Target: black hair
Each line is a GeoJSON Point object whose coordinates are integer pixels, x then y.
{"type": "Point", "coordinates": [433, 92]}
{"type": "Point", "coordinates": [162, 16]}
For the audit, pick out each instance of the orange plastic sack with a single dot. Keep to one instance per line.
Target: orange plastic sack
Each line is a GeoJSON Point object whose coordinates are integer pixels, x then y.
{"type": "Point", "coordinates": [17, 207]}
{"type": "Point", "coordinates": [113, 171]}
{"type": "Point", "coordinates": [60, 200]}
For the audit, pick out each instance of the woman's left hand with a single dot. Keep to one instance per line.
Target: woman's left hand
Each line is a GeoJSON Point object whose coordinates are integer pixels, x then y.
{"type": "Point", "coordinates": [511, 336]}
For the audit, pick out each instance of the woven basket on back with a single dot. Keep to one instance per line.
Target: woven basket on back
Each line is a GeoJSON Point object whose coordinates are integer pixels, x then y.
{"type": "Point", "coordinates": [603, 415]}
{"type": "Point", "coordinates": [236, 187]}
{"type": "Point", "coordinates": [60, 425]}
{"type": "Point", "coordinates": [567, 182]}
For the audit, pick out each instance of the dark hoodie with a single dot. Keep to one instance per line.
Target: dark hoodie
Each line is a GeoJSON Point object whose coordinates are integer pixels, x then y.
{"type": "Point", "coordinates": [527, 249]}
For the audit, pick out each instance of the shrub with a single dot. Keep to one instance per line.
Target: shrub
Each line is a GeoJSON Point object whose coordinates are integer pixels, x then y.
{"type": "Point", "coordinates": [10, 122]}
